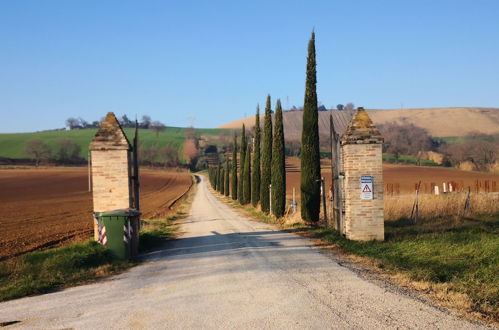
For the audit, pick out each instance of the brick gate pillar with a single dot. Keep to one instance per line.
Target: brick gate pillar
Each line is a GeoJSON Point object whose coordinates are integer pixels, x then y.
{"type": "Point", "coordinates": [111, 168]}
{"type": "Point", "coordinates": [361, 146]}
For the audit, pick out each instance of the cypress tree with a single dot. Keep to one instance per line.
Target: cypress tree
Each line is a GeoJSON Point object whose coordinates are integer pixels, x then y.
{"type": "Point", "coordinates": [278, 165]}
{"type": "Point", "coordinates": [247, 175]}
{"type": "Point", "coordinates": [234, 169]}
{"type": "Point", "coordinates": [227, 177]}
{"type": "Point", "coordinates": [266, 158]}
{"type": "Point", "coordinates": [219, 177]}
{"type": "Point", "coordinates": [222, 181]}
{"type": "Point", "coordinates": [215, 178]}
{"type": "Point", "coordinates": [255, 175]}
{"type": "Point", "coordinates": [242, 153]}
{"type": "Point", "coordinates": [310, 156]}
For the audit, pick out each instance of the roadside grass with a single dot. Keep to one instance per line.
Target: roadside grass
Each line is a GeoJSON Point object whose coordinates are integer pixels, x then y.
{"type": "Point", "coordinates": [462, 253]}
{"type": "Point", "coordinates": [155, 232]}
{"type": "Point", "coordinates": [49, 270]}
{"type": "Point", "coordinates": [452, 258]}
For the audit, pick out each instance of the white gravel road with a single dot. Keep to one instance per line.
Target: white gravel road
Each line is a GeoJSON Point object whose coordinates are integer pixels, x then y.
{"type": "Point", "coordinates": [229, 272]}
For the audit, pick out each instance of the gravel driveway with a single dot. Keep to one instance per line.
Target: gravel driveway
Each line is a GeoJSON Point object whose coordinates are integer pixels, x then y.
{"type": "Point", "coordinates": [227, 271]}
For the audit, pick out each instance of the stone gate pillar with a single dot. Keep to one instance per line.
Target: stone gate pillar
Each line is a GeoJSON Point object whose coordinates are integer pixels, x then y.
{"type": "Point", "coordinates": [361, 146]}
{"type": "Point", "coordinates": [111, 168]}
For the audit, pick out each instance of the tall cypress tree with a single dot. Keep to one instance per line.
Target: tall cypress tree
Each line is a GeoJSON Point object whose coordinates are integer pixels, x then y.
{"type": "Point", "coordinates": [222, 181]}
{"type": "Point", "coordinates": [266, 158]}
{"type": "Point", "coordinates": [255, 175]}
{"type": "Point", "coordinates": [234, 169]}
{"type": "Point", "coordinates": [242, 153]}
{"type": "Point", "coordinates": [278, 165]}
{"type": "Point", "coordinates": [227, 176]}
{"type": "Point", "coordinates": [247, 176]}
{"type": "Point", "coordinates": [220, 177]}
{"type": "Point", "coordinates": [217, 169]}
{"type": "Point", "coordinates": [310, 156]}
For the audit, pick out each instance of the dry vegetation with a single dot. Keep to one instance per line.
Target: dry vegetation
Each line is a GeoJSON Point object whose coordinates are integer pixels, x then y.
{"type": "Point", "coordinates": [445, 205]}
{"type": "Point", "coordinates": [438, 122]}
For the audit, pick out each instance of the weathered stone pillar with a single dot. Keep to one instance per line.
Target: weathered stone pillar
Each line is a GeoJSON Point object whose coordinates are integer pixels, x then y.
{"type": "Point", "coordinates": [111, 166]}
{"type": "Point", "coordinates": [361, 146]}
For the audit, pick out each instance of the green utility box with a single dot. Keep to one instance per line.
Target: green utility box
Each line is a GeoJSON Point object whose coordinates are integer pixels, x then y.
{"type": "Point", "coordinates": [119, 232]}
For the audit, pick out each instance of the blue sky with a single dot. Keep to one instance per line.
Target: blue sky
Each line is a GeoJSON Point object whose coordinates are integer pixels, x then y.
{"type": "Point", "coordinates": [215, 60]}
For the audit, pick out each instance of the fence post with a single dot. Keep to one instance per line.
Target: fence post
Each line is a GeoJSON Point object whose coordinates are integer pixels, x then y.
{"type": "Point", "coordinates": [467, 203]}
{"type": "Point", "coordinates": [415, 206]}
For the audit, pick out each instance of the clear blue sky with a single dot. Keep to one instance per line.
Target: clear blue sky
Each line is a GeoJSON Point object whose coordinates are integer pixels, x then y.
{"type": "Point", "coordinates": [216, 60]}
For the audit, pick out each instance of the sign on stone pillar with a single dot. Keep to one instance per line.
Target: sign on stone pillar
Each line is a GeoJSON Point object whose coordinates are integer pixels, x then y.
{"type": "Point", "coordinates": [361, 146]}
{"type": "Point", "coordinates": [366, 187]}
{"type": "Point", "coordinates": [111, 168]}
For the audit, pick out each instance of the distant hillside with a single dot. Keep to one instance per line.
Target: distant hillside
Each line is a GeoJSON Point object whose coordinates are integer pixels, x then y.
{"type": "Point", "coordinates": [439, 122]}
{"type": "Point", "coordinates": [12, 144]}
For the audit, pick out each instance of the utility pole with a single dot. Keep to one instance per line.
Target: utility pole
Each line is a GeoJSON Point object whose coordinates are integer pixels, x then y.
{"type": "Point", "coordinates": [336, 176]}
{"type": "Point", "coordinates": [89, 172]}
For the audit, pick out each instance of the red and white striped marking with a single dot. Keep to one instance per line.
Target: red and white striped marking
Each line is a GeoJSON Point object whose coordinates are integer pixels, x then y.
{"type": "Point", "coordinates": [102, 235]}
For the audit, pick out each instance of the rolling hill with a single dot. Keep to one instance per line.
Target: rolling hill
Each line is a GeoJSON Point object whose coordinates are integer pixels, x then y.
{"type": "Point", "coordinates": [12, 144]}
{"type": "Point", "coordinates": [439, 122]}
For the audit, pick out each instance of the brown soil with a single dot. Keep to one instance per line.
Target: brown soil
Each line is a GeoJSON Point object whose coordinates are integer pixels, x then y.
{"type": "Point", "coordinates": [405, 177]}
{"type": "Point", "coordinates": [50, 207]}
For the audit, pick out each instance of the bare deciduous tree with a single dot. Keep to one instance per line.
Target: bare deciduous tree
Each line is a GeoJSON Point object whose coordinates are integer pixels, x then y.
{"type": "Point", "coordinates": [405, 139]}
{"type": "Point", "coordinates": [67, 151]}
{"type": "Point", "coordinates": [169, 155]}
{"type": "Point", "coordinates": [479, 149]}
{"type": "Point", "coordinates": [349, 106]}
{"type": "Point", "coordinates": [148, 155]}
{"type": "Point", "coordinates": [72, 123]}
{"type": "Point", "coordinates": [191, 151]}
{"type": "Point", "coordinates": [157, 127]}
{"type": "Point", "coordinates": [37, 149]}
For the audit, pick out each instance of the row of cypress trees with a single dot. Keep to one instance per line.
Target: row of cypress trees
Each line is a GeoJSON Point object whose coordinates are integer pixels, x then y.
{"type": "Point", "coordinates": [250, 182]}
{"type": "Point", "coordinates": [260, 166]}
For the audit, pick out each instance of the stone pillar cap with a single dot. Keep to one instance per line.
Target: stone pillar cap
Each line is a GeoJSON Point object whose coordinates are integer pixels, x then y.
{"type": "Point", "coordinates": [110, 135]}
{"type": "Point", "coordinates": [361, 130]}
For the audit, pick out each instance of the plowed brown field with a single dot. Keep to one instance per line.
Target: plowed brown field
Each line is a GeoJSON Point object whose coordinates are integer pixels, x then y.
{"type": "Point", "coordinates": [402, 178]}
{"type": "Point", "coordinates": [42, 208]}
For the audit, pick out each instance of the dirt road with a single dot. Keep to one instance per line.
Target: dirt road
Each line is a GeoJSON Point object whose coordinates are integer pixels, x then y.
{"type": "Point", "coordinates": [229, 272]}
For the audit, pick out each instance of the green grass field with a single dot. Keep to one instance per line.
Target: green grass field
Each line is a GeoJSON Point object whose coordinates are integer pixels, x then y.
{"type": "Point", "coordinates": [389, 158]}
{"type": "Point", "coordinates": [12, 144]}
{"type": "Point", "coordinates": [460, 252]}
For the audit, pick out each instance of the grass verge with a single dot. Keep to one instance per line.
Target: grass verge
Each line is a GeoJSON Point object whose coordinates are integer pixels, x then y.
{"type": "Point", "coordinates": [156, 231]}
{"type": "Point", "coordinates": [454, 260]}
{"type": "Point", "coordinates": [49, 270]}
{"type": "Point", "coordinates": [458, 255]}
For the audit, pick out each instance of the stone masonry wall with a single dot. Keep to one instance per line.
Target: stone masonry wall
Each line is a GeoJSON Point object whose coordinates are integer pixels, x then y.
{"type": "Point", "coordinates": [364, 219]}
{"type": "Point", "coordinates": [110, 175]}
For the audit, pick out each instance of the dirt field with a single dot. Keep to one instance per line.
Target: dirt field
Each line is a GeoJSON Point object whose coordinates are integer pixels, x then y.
{"type": "Point", "coordinates": [50, 207]}
{"type": "Point", "coordinates": [401, 179]}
